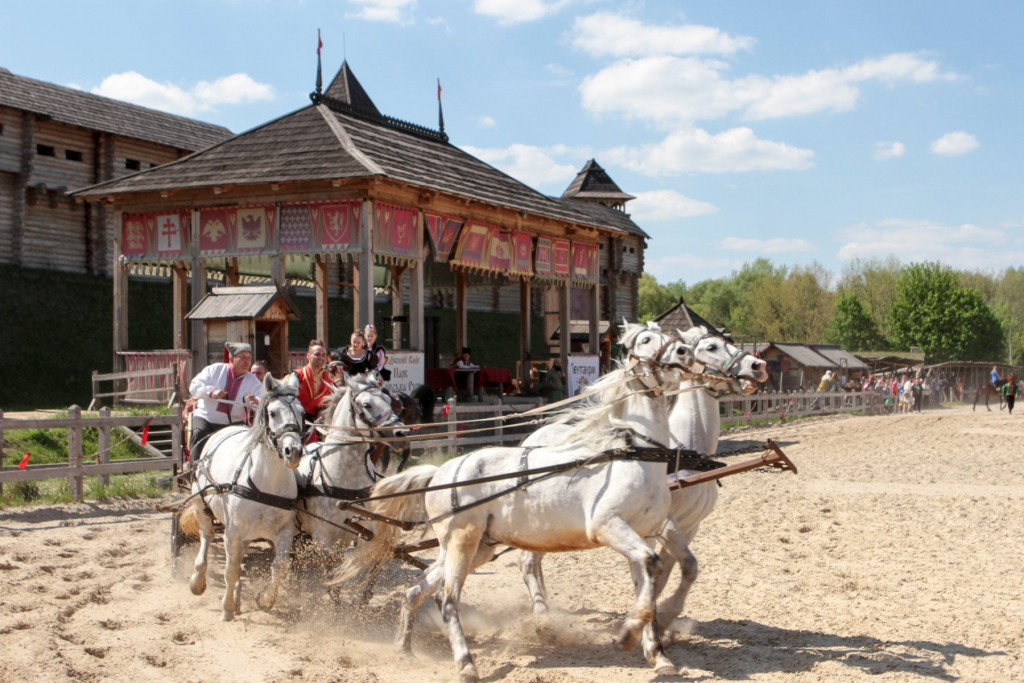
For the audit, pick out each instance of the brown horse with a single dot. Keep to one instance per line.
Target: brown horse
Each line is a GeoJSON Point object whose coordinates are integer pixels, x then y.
{"type": "Point", "coordinates": [987, 390]}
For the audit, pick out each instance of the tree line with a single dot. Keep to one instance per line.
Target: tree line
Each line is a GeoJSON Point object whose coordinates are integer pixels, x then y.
{"type": "Point", "coordinates": [875, 305]}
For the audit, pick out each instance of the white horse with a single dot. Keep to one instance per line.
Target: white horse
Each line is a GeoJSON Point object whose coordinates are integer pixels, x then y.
{"type": "Point", "coordinates": [243, 480]}
{"type": "Point", "coordinates": [340, 468]}
{"type": "Point", "coordinates": [582, 497]}
{"type": "Point", "coordinates": [694, 424]}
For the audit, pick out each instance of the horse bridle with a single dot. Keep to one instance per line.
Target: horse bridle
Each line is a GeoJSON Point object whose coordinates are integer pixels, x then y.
{"type": "Point", "coordinates": [723, 369]}
{"type": "Point", "coordinates": [274, 438]}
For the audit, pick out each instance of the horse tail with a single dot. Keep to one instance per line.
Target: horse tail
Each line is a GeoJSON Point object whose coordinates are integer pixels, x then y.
{"type": "Point", "coordinates": [368, 558]}
{"type": "Point", "coordinates": [188, 523]}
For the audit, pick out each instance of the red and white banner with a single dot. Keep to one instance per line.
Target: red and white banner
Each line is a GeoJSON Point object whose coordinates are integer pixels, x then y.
{"type": "Point", "coordinates": [339, 225]}
{"type": "Point", "coordinates": [155, 236]}
{"type": "Point", "coordinates": [443, 230]}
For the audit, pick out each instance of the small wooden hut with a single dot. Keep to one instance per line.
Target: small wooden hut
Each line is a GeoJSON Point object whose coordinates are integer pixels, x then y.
{"type": "Point", "coordinates": [256, 315]}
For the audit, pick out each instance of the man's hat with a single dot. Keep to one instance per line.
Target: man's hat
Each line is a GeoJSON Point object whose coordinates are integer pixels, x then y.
{"type": "Point", "coordinates": [465, 349]}
{"type": "Point", "coordinates": [237, 348]}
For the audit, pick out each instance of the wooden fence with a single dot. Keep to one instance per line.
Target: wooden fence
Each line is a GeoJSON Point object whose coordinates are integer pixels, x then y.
{"type": "Point", "coordinates": [99, 463]}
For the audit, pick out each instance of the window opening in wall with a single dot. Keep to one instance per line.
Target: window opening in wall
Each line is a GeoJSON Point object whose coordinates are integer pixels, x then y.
{"type": "Point", "coordinates": [45, 150]}
{"type": "Point", "coordinates": [133, 164]}
{"type": "Point", "coordinates": [72, 155]}
{"type": "Point", "coordinates": [1, 129]}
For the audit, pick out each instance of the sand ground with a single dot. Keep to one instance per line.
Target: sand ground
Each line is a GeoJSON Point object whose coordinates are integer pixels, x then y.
{"type": "Point", "coordinates": [895, 554]}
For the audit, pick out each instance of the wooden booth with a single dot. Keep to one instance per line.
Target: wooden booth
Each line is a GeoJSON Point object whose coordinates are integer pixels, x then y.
{"type": "Point", "coordinates": [256, 315]}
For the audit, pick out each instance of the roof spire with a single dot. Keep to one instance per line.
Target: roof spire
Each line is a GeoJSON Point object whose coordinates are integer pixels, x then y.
{"type": "Point", "coordinates": [440, 113]}
{"type": "Point", "coordinates": [319, 70]}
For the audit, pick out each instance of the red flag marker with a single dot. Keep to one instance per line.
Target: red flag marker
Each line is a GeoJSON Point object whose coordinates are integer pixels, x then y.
{"type": "Point", "coordinates": [24, 461]}
{"type": "Point", "coordinates": [145, 433]}
{"type": "Point", "coordinates": [444, 413]}
{"type": "Point", "coordinates": [319, 43]}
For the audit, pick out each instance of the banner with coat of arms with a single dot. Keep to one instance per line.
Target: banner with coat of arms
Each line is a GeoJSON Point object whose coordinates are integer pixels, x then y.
{"type": "Point", "coordinates": [522, 250]}
{"type": "Point", "coordinates": [157, 236]}
{"type": "Point", "coordinates": [584, 262]}
{"type": "Point", "coordinates": [472, 251]}
{"type": "Point", "coordinates": [236, 230]}
{"type": "Point", "coordinates": [397, 232]}
{"type": "Point", "coordinates": [332, 226]}
{"type": "Point", "coordinates": [442, 230]}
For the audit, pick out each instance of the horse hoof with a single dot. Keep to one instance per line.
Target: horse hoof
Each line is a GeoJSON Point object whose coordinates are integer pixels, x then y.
{"type": "Point", "coordinates": [197, 585]}
{"type": "Point", "coordinates": [265, 602]}
{"type": "Point", "coordinates": [227, 616]}
{"type": "Point", "coordinates": [469, 675]}
{"type": "Point", "coordinates": [666, 670]}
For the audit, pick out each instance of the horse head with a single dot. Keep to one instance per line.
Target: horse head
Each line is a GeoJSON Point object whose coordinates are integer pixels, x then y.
{"type": "Point", "coordinates": [281, 418]}
{"type": "Point", "coordinates": [665, 357]}
{"type": "Point", "coordinates": [716, 356]}
{"type": "Point", "coordinates": [372, 407]}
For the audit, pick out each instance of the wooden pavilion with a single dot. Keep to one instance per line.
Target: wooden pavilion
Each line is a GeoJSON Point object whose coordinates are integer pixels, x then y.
{"type": "Point", "coordinates": [345, 188]}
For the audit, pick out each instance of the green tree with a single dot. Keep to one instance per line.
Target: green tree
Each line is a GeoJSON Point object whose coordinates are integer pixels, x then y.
{"type": "Point", "coordinates": [933, 311]}
{"type": "Point", "coordinates": [852, 328]}
{"type": "Point", "coordinates": [792, 307]}
{"type": "Point", "coordinates": [873, 282]}
{"type": "Point", "coordinates": [652, 299]}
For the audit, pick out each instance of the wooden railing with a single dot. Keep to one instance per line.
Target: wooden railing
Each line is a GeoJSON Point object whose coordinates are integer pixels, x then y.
{"type": "Point", "coordinates": [99, 463]}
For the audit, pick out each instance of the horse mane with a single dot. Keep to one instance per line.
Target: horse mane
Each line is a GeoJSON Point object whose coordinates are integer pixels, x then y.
{"type": "Point", "coordinates": [598, 422]}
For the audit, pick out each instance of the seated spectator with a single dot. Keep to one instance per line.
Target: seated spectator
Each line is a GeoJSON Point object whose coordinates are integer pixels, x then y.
{"type": "Point", "coordinates": [357, 357]}
{"type": "Point", "coordinates": [463, 362]}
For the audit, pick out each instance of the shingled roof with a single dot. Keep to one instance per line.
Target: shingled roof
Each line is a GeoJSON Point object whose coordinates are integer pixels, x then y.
{"type": "Point", "coordinates": [94, 112]}
{"type": "Point", "coordinates": [682, 317]}
{"type": "Point", "coordinates": [340, 139]}
{"type": "Point", "coordinates": [593, 182]}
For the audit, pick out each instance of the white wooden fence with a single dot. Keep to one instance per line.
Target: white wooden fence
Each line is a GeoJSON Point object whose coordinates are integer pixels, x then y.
{"type": "Point", "coordinates": [99, 464]}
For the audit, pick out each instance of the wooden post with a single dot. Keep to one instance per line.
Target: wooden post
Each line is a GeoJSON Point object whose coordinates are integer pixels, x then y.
{"type": "Point", "coordinates": [198, 336]}
{"type": "Point", "coordinates": [417, 327]}
{"type": "Point", "coordinates": [453, 448]}
{"type": "Point", "coordinates": [179, 295]}
{"type": "Point", "coordinates": [231, 277]}
{"type": "Point", "coordinates": [320, 286]}
{"type": "Point", "coordinates": [595, 320]}
{"type": "Point", "coordinates": [397, 305]}
{"type": "Point", "coordinates": [565, 338]}
{"type": "Point", "coordinates": [75, 480]}
{"type": "Point", "coordinates": [362, 302]}
{"type": "Point", "coordinates": [461, 297]}
{"type": "Point", "coordinates": [524, 330]}
{"type": "Point", "coordinates": [177, 452]}
{"type": "Point", "coordinates": [120, 280]}
{"type": "Point", "coordinates": [103, 445]}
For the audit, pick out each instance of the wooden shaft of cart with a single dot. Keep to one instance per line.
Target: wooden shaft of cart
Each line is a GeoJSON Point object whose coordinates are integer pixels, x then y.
{"type": "Point", "coordinates": [772, 457]}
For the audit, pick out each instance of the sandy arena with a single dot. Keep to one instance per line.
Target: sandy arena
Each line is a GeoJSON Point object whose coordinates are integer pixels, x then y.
{"type": "Point", "coordinates": [894, 555]}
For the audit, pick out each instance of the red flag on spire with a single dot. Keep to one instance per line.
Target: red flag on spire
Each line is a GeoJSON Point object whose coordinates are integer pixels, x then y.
{"type": "Point", "coordinates": [319, 43]}
{"type": "Point", "coordinates": [439, 90]}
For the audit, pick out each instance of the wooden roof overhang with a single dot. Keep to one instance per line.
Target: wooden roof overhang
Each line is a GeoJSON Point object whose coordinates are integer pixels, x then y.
{"type": "Point", "coordinates": [319, 154]}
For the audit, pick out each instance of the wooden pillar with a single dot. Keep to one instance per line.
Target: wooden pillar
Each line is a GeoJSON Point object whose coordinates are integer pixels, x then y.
{"type": "Point", "coordinates": [198, 331]}
{"type": "Point", "coordinates": [417, 327]}
{"type": "Point", "coordinates": [524, 328]}
{"type": "Point", "coordinates": [595, 319]}
{"type": "Point", "coordinates": [397, 307]}
{"type": "Point", "coordinates": [461, 321]}
{"type": "Point", "coordinates": [19, 210]}
{"type": "Point", "coordinates": [320, 284]}
{"type": "Point", "coordinates": [565, 338]}
{"type": "Point", "coordinates": [362, 302]}
{"type": "Point", "coordinates": [179, 295]}
{"type": "Point", "coordinates": [231, 278]}
{"type": "Point", "coordinates": [120, 281]}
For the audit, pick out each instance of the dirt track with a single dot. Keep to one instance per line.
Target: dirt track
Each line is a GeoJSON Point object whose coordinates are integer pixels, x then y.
{"type": "Point", "coordinates": [896, 553]}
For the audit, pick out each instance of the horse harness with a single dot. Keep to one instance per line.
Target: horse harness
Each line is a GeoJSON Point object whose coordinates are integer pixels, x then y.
{"type": "Point", "coordinates": [249, 490]}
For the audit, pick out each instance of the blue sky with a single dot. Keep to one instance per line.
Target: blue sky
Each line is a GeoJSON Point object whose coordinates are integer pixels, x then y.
{"type": "Point", "coordinates": [805, 131]}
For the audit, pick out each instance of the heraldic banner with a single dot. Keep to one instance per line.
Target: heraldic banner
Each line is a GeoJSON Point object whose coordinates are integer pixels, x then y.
{"type": "Point", "coordinates": [584, 261]}
{"type": "Point", "coordinates": [236, 230]}
{"type": "Point", "coordinates": [397, 232]}
{"type": "Point", "coordinates": [155, 236]}
{"type": "Point", "coordinates": [443, 230]}
{"type": "Point", "coordinates": [307, 227]}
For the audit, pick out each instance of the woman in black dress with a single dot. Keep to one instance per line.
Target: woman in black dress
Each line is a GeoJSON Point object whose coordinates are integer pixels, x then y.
{"type": "Point", "coordinates": [356, 357]}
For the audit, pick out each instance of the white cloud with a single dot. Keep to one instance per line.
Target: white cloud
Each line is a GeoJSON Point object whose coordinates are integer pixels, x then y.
{"type": "Point", "coordinates": [888, 150]}
{"type": "Point", "coordinates": [955, 143]}
{"type": "Point", "coordinates": [669, 91]}
{"type": "Point", "coordinates": [776, 245]}
{"type": "Point", "coordinates": [696, 150]}
{"type": "Point", "coordinates": [608, 33]}
{"type": "Point", "coordinates": [486, 122]}
{"type": "Point", "coordinates": [666, 205]}
{"type": "Point", "coordinates": [233, 89]}
{"type": "Point", "coordinates": [965, 246]}
{"type": "Point", "coordinates": [535, 166]}
{"type": "Point", "coordinates": [388, 11]}
{"type": "Point", "coordinates": [133, 87]}
{"type": "Point", "coordinates": [688, 266]}
{"type": "Point", "coordinates": [518, 11]}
